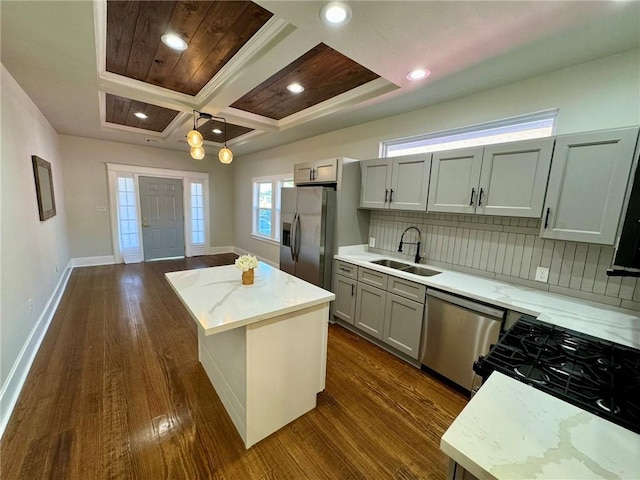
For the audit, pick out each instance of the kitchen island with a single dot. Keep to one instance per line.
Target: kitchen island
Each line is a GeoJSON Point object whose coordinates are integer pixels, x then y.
{"type": "Point", "coordinates": [263, 346]}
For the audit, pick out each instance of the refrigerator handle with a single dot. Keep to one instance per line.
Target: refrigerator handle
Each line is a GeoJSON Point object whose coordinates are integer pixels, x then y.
{"type": "Point", "coordinates": [292, 243]}
{"type": "Point", "coordinates": [296, 237]}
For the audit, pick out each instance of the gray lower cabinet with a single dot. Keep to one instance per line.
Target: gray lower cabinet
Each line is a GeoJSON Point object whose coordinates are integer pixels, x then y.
{"type": "Point", "coordinates": [402, 324]}
{"type": "Point", "coordinates": [589, 176]}
{"type": "Point", "coordinates": [344, 306]}
{"type": "Point", "coordinates": [388, 308]}
{"type": "Point", "coordinates": [370, 309]}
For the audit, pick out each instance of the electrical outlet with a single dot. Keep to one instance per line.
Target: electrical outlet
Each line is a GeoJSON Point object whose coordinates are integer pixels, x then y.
{"type": "Point", "coordinates": [372, 242]}
{"type": "Point", "coordinates": [30, 305]}
{"type": "Point", "coordinates": [101, 208]}
{"type": "Point", "coordinates": [542, 274]}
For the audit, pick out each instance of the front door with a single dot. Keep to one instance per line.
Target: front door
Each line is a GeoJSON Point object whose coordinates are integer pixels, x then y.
{"type": "Point", "coordinates": [162, 217]}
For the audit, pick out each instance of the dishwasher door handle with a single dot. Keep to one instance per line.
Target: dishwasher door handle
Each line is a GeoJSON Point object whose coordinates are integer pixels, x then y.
{"type": "Point", "coordinates": [468, 304]}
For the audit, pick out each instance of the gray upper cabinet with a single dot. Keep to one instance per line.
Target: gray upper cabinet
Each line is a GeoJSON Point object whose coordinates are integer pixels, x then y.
{"type": "Point", "coordinates": [513, 178]}
{"type": "Point", "coordinates": [399, 183]}
{"type": "Point", "coordinates": [454, 180]}
{"type": "Point", "coordinates": [320, 171]}
{"type": "Point", "coordinates": [589, 176]}
{"type": "Point", "coordinates": [507, 179]}
{"type": "Point", "coordinates": [376, 182]}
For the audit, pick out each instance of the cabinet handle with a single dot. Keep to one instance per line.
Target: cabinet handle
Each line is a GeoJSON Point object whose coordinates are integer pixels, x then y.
{"type": "Point", "coordinates": [352, 288]}
{"type": "Point", "coordinates": [310, 174]}
{"type": "Point", "coordinates": [480, 197]}
{"type": "Point", "coordinates": [391, 196]}
{"type": "Point", "coordinates": [386, 194]}
{"type": "Point", "coordinates": [473, 192]}
{"type": "Point", "coordinates": [313, 174]}
{"type": "Point", "coordinates": [546, 218]}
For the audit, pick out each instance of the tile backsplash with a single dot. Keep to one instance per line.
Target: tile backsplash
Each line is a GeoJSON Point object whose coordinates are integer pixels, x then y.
{"type": "Point", "coordinates": [507, 249]}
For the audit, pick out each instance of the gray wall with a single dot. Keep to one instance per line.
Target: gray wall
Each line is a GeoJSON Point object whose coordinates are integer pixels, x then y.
{"type": "Point", "coordinates": [591, 96]}
{"type": "Point", "coordinates": [507, 249]}
{"type": "Point", "coordinates": [85, 185]}
{"type": "Point", "coordinates": [33, 254]}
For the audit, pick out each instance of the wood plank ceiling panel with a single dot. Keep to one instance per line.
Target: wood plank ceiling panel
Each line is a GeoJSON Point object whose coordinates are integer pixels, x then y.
{"type": "Point", "coordinates": [214, 30]}
{"type": "Point", "coordinates": [322, 71]}
{"type": "Point", "coordinates": [120, 110]}
{"type": "Point", "coordinates": [233, 131]}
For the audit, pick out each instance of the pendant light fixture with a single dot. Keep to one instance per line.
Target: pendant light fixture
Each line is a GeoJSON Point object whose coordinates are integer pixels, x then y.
{"type": "Point", "coordinates": [196, 141]}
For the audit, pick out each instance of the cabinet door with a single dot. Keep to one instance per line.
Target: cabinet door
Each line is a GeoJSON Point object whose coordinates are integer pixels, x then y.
{"type": "Point", "coordinates": [376, 183]}
{"type": "Point", "coordinates": [514, 178]}
{"type": "Point", "coordinates": [325, 170]}
{"type": "Point", "coordinates": [410, 182]}
{"type": "Point", "coordinates": [370, 302]}
{"type": "Point", "coordinates": [454, 180]}
{"type": "Point", "coordinates": [587, 184]}
{"type": "Point", "coordinates": [302, 172]}
{"type": "Point", "coordinates": [403, 324]}
{"type": "Point", "coordinates": [344, 306]}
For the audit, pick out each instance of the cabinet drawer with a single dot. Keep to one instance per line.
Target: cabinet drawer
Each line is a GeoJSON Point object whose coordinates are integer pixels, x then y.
{"type": "Point", "coordinates": [346, 269]}
{"type": "Point", "coordinates": [411, 290]}
{"type": "Point", "coordinates": [373, 278]}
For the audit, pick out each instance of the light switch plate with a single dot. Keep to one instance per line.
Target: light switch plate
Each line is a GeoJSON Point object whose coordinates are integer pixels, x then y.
{"type": "Point", "coordinates": [542, 274]}
{"type": "Point", "coordinates": [372, 242]}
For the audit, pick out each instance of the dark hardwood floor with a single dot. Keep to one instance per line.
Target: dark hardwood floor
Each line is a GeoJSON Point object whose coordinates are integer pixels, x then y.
{"type": "Point", "coordinates": [117, 392]}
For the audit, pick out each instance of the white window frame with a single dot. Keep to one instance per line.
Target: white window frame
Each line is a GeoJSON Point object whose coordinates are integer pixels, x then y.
{"type": "Point", "coordinates": [276, 185]}
{"type": "Point", "coordinates": [114, 170]}
{"type": "Point", "coordinates": [429, 142]}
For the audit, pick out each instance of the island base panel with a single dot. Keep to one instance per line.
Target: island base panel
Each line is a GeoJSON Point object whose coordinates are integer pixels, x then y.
{"type": "Point", "coordinates": [280, 362]}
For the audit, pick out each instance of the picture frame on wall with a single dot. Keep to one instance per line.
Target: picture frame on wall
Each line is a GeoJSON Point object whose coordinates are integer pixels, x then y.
{"type": "Point", "coordinates": [44, 188]}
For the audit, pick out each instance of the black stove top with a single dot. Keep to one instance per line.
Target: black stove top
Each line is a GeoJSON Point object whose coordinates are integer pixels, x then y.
{"type": "Point", "coordinates": [596, 375]}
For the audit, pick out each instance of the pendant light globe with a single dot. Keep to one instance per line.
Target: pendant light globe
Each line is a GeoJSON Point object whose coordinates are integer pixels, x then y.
{"type": "Point", "coordinates": [225, 155]}
{"type": "Point", "coordinates": [197, 153]}
{"type": "Point", "coordinates": [194, 138]}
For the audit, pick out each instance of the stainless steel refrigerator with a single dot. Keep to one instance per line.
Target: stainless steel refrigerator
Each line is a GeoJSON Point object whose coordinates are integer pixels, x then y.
{"type": "Point", "coordinates": [308, 216]}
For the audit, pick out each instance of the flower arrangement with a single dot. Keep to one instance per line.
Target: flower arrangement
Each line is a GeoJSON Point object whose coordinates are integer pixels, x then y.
{"type": "Point", "coordinates": [246, 262]}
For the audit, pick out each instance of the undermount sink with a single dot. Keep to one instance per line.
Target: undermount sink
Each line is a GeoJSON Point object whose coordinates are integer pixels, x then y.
{"type": "Point", "coordinates": [423, 272]}
{"type": "Point", "coordinates": [385, 262]}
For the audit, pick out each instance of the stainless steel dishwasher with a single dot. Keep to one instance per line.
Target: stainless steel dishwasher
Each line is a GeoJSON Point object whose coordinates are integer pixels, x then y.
{"type": "Point", "coordinates": [456, 332]}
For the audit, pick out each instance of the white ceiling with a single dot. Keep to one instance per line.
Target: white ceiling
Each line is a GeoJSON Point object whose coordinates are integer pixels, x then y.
{"type": "Point", "coordinates": [50, 49]}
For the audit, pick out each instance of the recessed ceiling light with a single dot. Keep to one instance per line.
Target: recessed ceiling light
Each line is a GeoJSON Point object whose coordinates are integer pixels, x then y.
{"type": "Point", "coordinates": [141, 115]}
{"type": "Point", "coordinates": [335, 14]}
{"type": "Point", "coordinates": [173, 41]}
{"type": "Point", "coordinates": [418, 74]}
{"type": "Point", "coordinates": [217, 131]}
{"type": "Point", "coordinates": [295, 88]}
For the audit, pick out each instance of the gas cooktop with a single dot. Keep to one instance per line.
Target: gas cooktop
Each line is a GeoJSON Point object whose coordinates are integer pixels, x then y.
{"type": "Point", "coordinates": [596, 375]}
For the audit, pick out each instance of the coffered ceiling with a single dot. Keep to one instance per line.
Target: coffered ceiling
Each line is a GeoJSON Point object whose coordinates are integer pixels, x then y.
{"type": "Point", "coordinates": [90, 66]}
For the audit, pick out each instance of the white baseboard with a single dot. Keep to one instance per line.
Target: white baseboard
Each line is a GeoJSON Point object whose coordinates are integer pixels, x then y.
{"type": "Point", "coordinates": [216, 250]}
{"type": "Point", "coordinates": [241, 251]}
{"type": "Point", "coordinates": [93, 261]}
{"type": "Point", "coordinates": [18, 374]}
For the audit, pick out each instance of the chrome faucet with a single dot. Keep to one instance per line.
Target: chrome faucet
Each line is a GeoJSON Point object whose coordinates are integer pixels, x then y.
{"type": "Point", "coordinates": [417, 259]}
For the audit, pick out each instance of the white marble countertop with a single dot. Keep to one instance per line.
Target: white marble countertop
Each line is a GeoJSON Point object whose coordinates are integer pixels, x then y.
{"type": "Point", "coordinates": [217, 300]}
{"type": "Point", "coordinates": [611, 323]}
{"type": "Point", "coordinates": [510, 430]}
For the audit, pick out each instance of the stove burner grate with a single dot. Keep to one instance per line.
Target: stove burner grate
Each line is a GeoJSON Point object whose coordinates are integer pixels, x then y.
{"type": "Point", "coordinates": [604, 405]}
{"type": "Point", "coordinates": [532, 374]}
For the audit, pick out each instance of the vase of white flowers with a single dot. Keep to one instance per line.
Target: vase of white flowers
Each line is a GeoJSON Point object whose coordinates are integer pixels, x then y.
{"type": "Point", "coordinates": [246, 263]}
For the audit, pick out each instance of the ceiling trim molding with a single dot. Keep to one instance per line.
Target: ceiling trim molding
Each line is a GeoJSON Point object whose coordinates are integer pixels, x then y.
{"type": "Point", "coordinates": [100, 28]}
{"type": "Point", "coordinates": [369, 90]}
{"type": "Point", "coordinates": [267, 38]}
{"type": "Point", "coordinates": [145, 92]}
{"type": "Point", "coordinates": [248, 119]}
